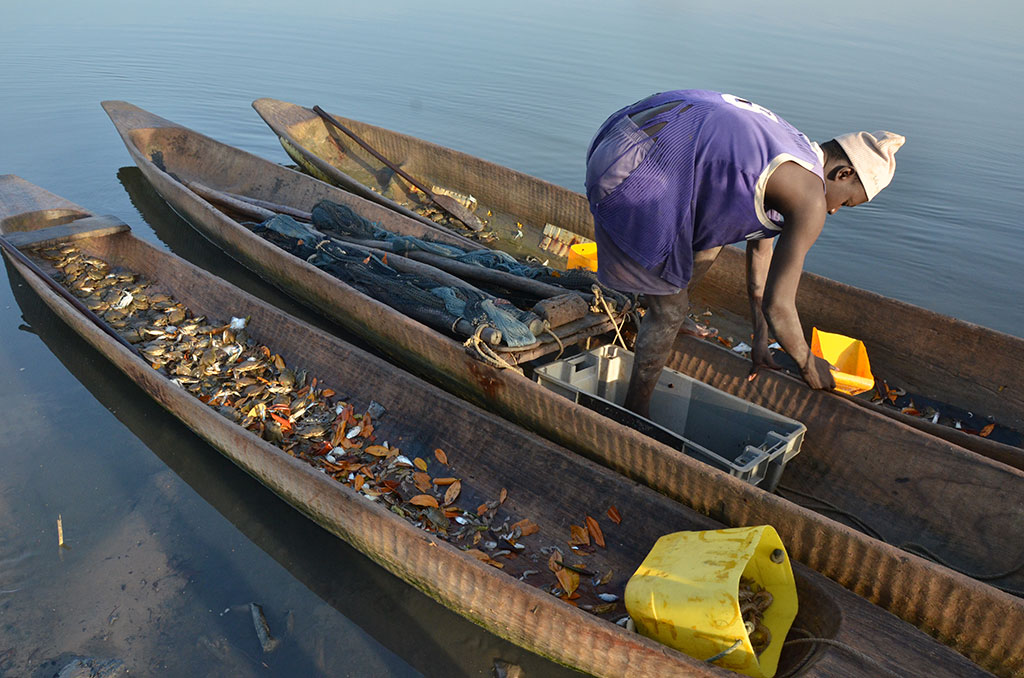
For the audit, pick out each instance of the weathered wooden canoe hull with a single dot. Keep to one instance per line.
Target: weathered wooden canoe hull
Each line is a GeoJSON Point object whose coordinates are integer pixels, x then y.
{"type": "Point", "coordinates": [494, 453]}
{"type": "Point", "coordinates": [535, 201]}
{"type": "Point", "coordinates": [297, 544]}
{"type": "Point", "coordinates": [939, 357]}
{"type": "Point", "coordinates": [470, 588]}
{"type": "Point", "coordinates": [890, 576]}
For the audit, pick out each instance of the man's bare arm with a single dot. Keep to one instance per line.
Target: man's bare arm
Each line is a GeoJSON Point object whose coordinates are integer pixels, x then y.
{"type": "Point", "coordinates": [798, 195]}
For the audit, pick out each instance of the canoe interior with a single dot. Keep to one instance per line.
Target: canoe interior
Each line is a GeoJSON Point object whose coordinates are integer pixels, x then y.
{"type": "Point", "coordinates": [231, 172]}
{"type": "Point", "coordinates": [516, 220]}
{"type": "Point", "coordinates": [940, 358]}
{"type": "Point", "coordinates": [710, 492]}
{"type": "Point", "coordinates": [1004, 445]}
{"type": "Point", "coordinates": [551, 486]}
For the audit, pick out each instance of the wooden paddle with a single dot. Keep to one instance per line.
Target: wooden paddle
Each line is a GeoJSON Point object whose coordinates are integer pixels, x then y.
{"type": "Point", "coordinates": [450, 205]}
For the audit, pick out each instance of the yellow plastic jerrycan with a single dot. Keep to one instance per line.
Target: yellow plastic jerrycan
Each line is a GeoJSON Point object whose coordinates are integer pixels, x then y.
{"type": "Point", "coordinates": [686, 595]}
{"type": "Point", "coordinates": [583, 255]}
{"type": "Point", "coordinates": [849, 355]}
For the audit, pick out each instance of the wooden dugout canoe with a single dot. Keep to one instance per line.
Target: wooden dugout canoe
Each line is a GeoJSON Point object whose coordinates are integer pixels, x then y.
{"type": "Point", "coordinates": [552, 486]}
{"type": "Point", "coordinates": [927, 493]}
{"type": "Point", "coordinates": [930, 355]}
{"type": "Point", "coordinates": [378, 603]}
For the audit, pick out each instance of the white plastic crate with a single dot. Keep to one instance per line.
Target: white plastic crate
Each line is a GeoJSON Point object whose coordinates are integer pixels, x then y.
{"type": "Point", "coordinates": [727, 432]}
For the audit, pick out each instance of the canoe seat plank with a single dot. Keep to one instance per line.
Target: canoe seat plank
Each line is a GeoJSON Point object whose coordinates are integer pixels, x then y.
{"type": "Point", "coordinates": [89, 227]}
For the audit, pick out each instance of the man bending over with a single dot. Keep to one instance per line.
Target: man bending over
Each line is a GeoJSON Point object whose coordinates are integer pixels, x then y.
{"type": "Point", "coordinates": [674, 177]}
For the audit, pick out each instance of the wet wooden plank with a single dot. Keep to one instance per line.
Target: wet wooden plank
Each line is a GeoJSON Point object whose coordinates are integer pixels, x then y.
{"type": "Point", "coordinates": [89, 227]}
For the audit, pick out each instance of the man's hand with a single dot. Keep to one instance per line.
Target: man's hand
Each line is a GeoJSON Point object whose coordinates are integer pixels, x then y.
{"type": "Point", "coordinates": [818, 374]}
{"type": "Point", "coordinates": [761, 357]}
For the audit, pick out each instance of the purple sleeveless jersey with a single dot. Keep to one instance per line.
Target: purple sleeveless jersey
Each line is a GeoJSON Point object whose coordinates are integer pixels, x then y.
{"type": "Point", "coordinates": [697, 183]}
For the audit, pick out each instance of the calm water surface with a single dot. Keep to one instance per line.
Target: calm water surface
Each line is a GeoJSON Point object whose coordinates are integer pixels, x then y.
{"type": "Point", "coordinates": [169, 541]}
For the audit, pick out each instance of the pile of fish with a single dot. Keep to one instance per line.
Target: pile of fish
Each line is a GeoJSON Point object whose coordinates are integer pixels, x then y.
{"type": "Point", "coordinates": [221, 365]}
{"type": "Point", "coordinates": [754, 600]}
{"type": "Point", "coordinates": [434, 213]}
{"type": "Point", "coordinates": [425, 207]}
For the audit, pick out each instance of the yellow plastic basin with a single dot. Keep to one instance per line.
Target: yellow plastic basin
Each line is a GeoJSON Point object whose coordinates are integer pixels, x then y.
{"type": "Point", "coordinates": [686, 594]}
{"type": "Point", "coordinates": [847, 354]}
{"type": "Point", "coordinates": [583, 255]}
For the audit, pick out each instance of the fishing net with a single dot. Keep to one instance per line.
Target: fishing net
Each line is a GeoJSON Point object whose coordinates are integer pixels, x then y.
{"type": "Point", "coordinates": [331, 217]}
{"type": "Point", "coordinates": [420, 297]}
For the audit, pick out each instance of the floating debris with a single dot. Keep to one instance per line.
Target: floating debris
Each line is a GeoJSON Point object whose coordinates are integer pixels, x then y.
{"type": "Point", "coordinates": [503, 669]}
{"type": "Point", "coordinates": [91, 668]}
{"type": "Point", "coordinates": [268, 642]}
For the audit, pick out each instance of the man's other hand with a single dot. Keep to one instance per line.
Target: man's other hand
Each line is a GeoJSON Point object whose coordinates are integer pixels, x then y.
{"type": "Point", "coordinates": [761, 357]}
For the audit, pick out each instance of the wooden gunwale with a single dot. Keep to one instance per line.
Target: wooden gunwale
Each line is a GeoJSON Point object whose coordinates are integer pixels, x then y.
{"type": "Point", "coordinates": [489, 453]}
{"type": "Point", "coordinates": [903, 583]}
{"type": "Point", "coordinates": [939, 357]}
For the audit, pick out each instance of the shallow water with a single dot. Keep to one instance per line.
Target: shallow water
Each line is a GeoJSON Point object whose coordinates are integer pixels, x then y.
{"type": "Point", "coordinates": [169, 541]}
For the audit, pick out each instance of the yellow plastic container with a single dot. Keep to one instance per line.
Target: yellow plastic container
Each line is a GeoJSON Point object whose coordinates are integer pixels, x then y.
{"type": "Point", "coordinates": [686, 594]}
{"type": "Point", "coordinates": [583, 255]}
{"type": "Point", "coordinates": [849, 355]}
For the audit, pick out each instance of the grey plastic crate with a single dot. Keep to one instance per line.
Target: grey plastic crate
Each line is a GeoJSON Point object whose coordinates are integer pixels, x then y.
{"type": "Point", "coordinates": [731, 434]}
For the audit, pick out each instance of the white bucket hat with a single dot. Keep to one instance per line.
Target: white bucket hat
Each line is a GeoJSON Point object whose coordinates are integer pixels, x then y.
{"type": "Point", "coordinates": [873, 157]}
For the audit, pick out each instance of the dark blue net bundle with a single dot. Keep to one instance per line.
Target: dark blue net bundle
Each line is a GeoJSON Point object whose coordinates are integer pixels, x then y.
{"type": "Point", "coordinates": [420, 297]}
{"type": "Point", "coordinates": [330, 217]}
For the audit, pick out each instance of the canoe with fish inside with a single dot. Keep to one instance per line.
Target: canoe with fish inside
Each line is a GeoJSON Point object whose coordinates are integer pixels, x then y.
{"type": "Point", "coordinates": [926, 492]}
{"type": "Point", "coordinates": [472, 510]}
{"type": "Point", "coordinates": [951, 378]}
